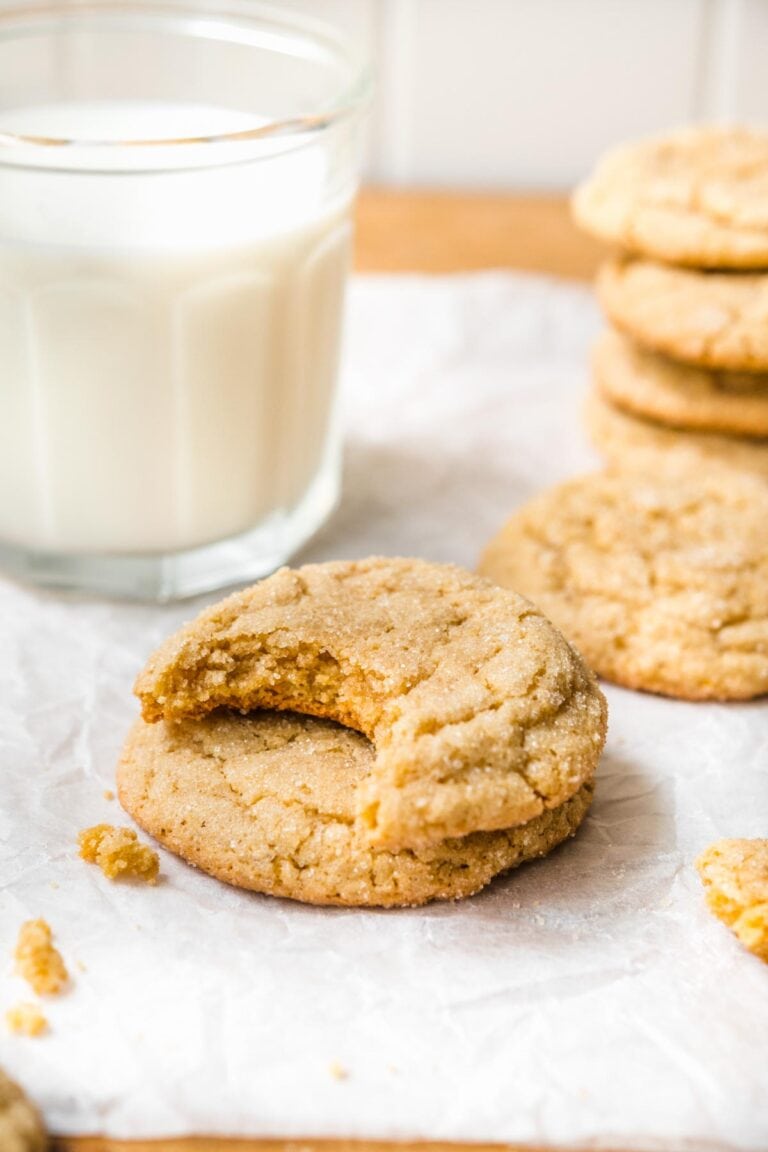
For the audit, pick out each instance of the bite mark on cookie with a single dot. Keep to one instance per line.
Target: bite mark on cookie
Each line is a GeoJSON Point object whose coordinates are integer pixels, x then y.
{"type": "Point", "coordinates": [482, 717]}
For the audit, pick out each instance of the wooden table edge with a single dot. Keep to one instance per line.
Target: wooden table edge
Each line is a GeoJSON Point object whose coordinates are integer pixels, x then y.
{"type": "Point", "coordinates": [296, 1144]}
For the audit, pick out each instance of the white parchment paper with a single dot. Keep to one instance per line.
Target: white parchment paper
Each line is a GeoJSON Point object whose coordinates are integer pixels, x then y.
{"type": "Point", "coordinates": [586, 998]}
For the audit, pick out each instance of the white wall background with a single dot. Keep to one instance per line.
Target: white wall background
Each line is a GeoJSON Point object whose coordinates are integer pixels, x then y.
{"type": "Point", "coordinates": [526, 93]}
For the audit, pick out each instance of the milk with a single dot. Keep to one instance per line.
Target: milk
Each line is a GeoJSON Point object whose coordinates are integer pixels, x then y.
{"type": "Point", "coordinates": [168, 340]}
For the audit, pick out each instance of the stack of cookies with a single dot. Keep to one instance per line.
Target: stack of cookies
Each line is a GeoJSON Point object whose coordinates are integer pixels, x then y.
{"type": "Point", "coordinates": [378, 732]}
{"type": "Point", "coordinates": [684, 364]}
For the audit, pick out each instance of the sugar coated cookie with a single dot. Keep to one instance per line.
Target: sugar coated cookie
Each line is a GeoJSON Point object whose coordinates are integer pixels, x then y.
{"type": "Point", "coordinates": [267, 802]}
{"type": "Point", "coordinates": [661, 583]}
{"type": "Point", "coordinates": [735, 878]}
{"type": "Point", "coordinates": [633, 443]}
{"type": "Point", "coordinates": [655, 388]}
{"type": "Point", "coordinates": [697, 196]}
{"type": "Point", "coordinates": [715, 320]}
{"type": "Point", "coordinates": [21, 1129]}
{"type": "Point", "coordinates": [481, 715]}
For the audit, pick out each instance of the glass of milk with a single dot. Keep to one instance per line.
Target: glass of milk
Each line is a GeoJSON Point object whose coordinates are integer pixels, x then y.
{"type": "Point", "coordinates": [176, 186]}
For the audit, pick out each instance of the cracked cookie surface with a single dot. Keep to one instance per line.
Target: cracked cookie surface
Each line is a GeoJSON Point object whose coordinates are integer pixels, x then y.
{"type": "Point", "coordinates": [21, 1129]}
{"type": "Point", "coordinates": [735, 878]}
{"type": "Point", "coordinates": [482, 716]}
{"type": "Point", "coordinates": [633, 443]}
{"type": "Point", "coordinates": [266, 802]}
{"type": "Point", "coordinates": [662, 584]}
{"type": "Point", "coordinates": [714, 320]}
{"type": "Point", "coordinates": [655, 388]}
{"type": "Point", "coordinates": [696, 197]}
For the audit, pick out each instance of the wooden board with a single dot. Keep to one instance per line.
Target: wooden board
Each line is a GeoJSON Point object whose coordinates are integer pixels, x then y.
{"type": "Point", "coordinates": [445, 232]}
{"type": "Point", "coordinates": [439, 233]}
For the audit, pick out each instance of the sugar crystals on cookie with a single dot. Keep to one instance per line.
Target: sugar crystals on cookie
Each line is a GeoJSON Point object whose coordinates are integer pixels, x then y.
{"type": "Point", "coordinates": [477, 731]}
{"type": "Point", "coordinates": [481, 715]}
{"type": "Point", "coordinates": [266, 801]}
{"type": "Point", "coordinates": [661, 583]}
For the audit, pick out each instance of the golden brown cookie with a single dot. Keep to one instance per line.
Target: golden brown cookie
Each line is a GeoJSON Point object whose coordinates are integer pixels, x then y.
{"type": "Point", "coordinates": [735, 878]}
{"type": "Point", "coordinates": [697, 196]}
{"type": "Point", "coordinates": [716, 320]}
{"type": "Point", "coordinates": [661, 583]}
{"type": "Point", "coordinates": [694, 399]}
{"type": "Point", "coordinates": [21, 1129]}
{"type": "Point", "coordinates": [635, 444]}
{"type": "Point", "coordinates": [267, 802]}
{"type": "Point", "coordinates": [482, 716]}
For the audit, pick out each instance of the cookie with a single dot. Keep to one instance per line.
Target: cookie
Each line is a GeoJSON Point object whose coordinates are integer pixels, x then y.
{"type": "Point", "coordinates": [267, 802]}
{"type": "Point", "coordinates": [481, 715]}
{"type": "Point", "coordinates": [21, 1129]}
{"type": "Point", "coordinates": [640, 445]}
{"type": "Point", "coordinates": [697, 197]}
{"type": "Point", "coordinates": [661, 583]}
{"type": "Point", "coordinates": [735, 878]}
{"type": "Point", "coordinates": [711, 320]}
{"type": "Point", "coordinates": [655, 388]}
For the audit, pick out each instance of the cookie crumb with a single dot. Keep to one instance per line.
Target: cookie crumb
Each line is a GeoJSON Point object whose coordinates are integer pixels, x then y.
{"type": "Point", "coordinates": [735, 878]}
{"type": "Point", "coordinates": [108, 794]}
{"type": "Point", "coordinates": [40, 964]}
{"type": "Point", "coordinates": [26, 1019]}
{"type": "Point", "coordinates": [337, 1071]}
{"type": "Point", "coordinates": [118, 853]}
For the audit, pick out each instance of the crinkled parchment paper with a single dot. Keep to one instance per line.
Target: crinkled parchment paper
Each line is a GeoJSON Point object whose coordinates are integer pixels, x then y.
{"type": "Point", "coordinates": [586, 997]}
